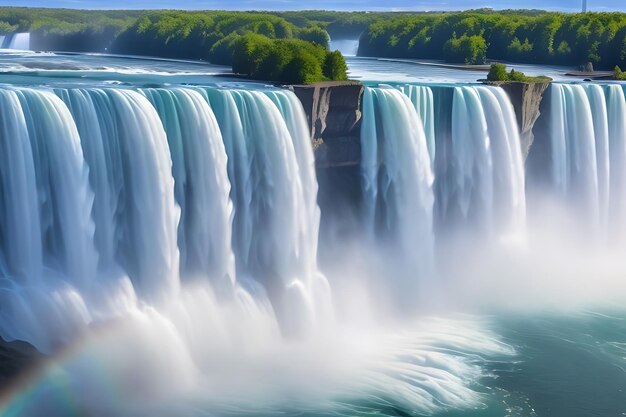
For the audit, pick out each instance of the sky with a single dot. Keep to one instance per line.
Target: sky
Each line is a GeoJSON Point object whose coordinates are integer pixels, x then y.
{"type": "Point", "coordinates": [385, 5]}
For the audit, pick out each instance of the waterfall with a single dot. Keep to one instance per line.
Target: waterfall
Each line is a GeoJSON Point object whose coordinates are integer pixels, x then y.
{"type": "Point", "coordinates": [348, 47]}
{"type": "Point", "coordinates": [423, 101]}
{"type": "Point", "coordinates": [616, 104]}
{"type": "Point", "coordinates": [465, 162]}
{"type": "Point", "coordinates": [276, 220]}
{"type": "Point", "coordinates": [23, 257]}
{"type": "Point", "coordinates": [509, 202]}
{"type": "Point", "coordinates": [397, 176]}
{"type": "Point", "coordinates": [587, 132]}
{"type": "Point", "coordinates": [481, 184]}
{"type": "Point", "coordinates": [46, 237]}
{"type": "Point", "coordinates": [65, 199]}
{"type": "Point", "coordinates": [474, 146]}
{"type": "Point", "coordinates": [135, 210]}
{"type": "Point", "coordinates": [201, 187]}
{"type": "Point", "coordinates": [111, 194]}
{"type": "Point", "coordinates": [19, 41]}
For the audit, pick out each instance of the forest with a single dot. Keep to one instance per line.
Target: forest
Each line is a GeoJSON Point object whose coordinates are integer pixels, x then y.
{"type": "Point", "coordinates": [274, 46]}
{"type": "Point", "coordinates": [517, 36]}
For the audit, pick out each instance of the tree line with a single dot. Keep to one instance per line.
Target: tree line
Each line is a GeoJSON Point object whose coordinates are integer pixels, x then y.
{"type": "Point", "coordinates": [517, 36]}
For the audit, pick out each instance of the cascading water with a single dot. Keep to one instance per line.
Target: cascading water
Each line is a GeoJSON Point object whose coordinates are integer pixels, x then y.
{"type": "Point", "coordinates": [23, 258]}
{"type": "Point", "coordinates": [19, 41]}
{"type": "Point", "coordinates": [108, 186]}
{"type": "Point", "coordinates": [57, 230]}
{"type": "Point", "coordinates": [397, 177]}
{"type": "Point", "coordinates": [423, 101]}
{"type": "Point", "coordinates": [587, 132]}
{"type": "Point", "coordinates": [347, 47]}
{"type": "Point", "coordinates": [484, 183]}
{"type": "Point", "coordinates": [480, 181]}
{"type": "Point", "coordinates": [426, 177]}
{"type": "Point", "coordinates": [132, 175]}
{"type": "Point", "coordinates": [274, 191]}
{"type": "Point", "coordinates": [202, 186]}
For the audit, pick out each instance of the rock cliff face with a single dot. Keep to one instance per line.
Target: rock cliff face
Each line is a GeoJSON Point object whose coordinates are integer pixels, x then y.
{"type": "Point", "coordinates": [334, 114]}
{"type": "Point", "coordinates": [333, 110]}
{"type": "Point", "coordinates": [538, 160]}
{"type": "Point", "coordinates": [16, 359]}
{"type": "Point", "coordinates": [526, 99]}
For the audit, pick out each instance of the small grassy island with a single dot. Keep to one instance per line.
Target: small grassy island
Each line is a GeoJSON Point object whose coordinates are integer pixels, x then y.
{"type": "Point", "coordinates": [498, 73]}
{"type": "Point", "coordinates": [618, 74]}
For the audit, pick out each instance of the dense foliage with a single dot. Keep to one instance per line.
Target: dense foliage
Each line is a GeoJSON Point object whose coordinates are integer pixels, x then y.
{"type": "Point", "coordinates": [268, 46]}
{"type": "Point", "coordinates": [178, 34]}
{"type": "Point", "coordinates": [517, 36]}
{"type": "Point", "coordinates": [498, 72]}
{"type": "Point", "coordinates": [466, 49]}
{"type": "Point", "coordinates": [618, 74]}
{"type": "Point", "coordinates": [287, 60]}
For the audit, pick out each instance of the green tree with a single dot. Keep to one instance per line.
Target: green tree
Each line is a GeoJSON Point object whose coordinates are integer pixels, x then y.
{"type": "Point", "coordinates": [249, 52]}
{"type": "Point", "coordinates": [315, 34]}
{"type": "Point", "coordinates": [335, 67]}
{"type": "Point", "coordinates": [497, 72]}
{"type": "Point", "coordinates": [266, 28]}
{"type": "Point", "coordinates": [466, 49]}
{"type": "Point", "coordinates": [222, 51]}
{"type": "Point", "coordinates": [519, 51]}
{"type": "Point", "coordinates": [303, 69]}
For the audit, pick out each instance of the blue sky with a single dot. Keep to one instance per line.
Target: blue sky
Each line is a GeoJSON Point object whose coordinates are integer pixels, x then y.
{"type": "Point", "coordinates": [566, 5]}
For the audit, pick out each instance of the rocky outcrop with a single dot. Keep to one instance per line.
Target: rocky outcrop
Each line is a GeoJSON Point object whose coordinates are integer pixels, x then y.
{"type": "Point", "coordinates": [16, 359]}
{"type": "Point", "coordinates": [333, 110]}
{"type": "Point", "coordinates": [526, 99]}
{"type": "Point", "coordinates": [539, 158]}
